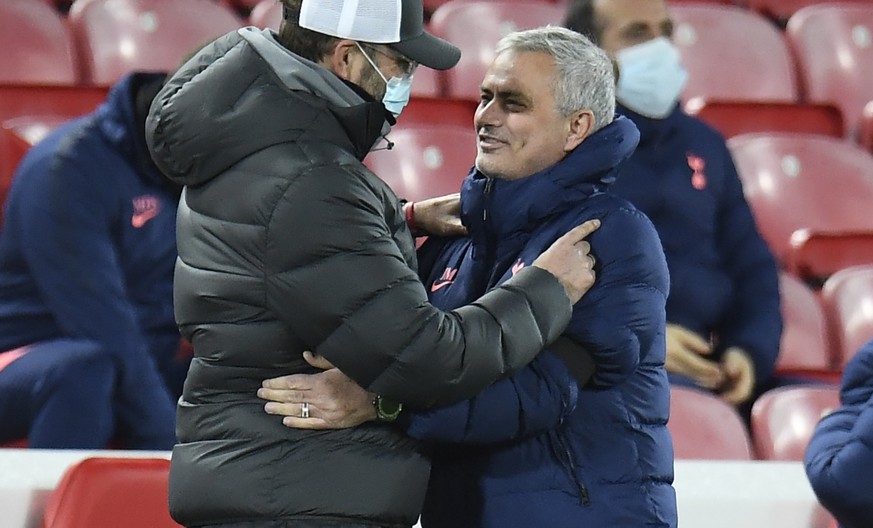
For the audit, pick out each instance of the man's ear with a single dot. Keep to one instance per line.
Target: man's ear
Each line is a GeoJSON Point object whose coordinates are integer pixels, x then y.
{"type": "Point", "coordinates": [339, 59]}
{"type": "Point", "coordinates": [581, 125]}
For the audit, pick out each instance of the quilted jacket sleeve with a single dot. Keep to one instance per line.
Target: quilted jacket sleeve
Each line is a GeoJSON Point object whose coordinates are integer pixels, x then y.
{"type": "Point", "coordinates": [839, 458]}
{"type": "Point", "coordinates": [620, 317]}
{"type": "Point", "coordinates": [351, 296]}
{"type": "Point", "coordinates": [534, 400]}
{"type": "Point", "coordinates": [615, 322]}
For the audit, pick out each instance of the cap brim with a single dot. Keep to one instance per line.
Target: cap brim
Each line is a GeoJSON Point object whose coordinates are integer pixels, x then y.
{"type": "Point", "coordinates": [429, 51]}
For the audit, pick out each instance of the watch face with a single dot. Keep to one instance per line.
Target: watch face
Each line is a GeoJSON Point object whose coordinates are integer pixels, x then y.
{"type": "Point", "coordinates": [387, 410]}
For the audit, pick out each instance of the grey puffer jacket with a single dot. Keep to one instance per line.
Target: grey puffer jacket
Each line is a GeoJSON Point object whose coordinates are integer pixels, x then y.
{"type": "Point", "coordinates": [288, 243]}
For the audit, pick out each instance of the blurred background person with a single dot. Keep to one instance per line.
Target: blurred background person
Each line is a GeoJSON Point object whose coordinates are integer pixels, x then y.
{"type": "Point", "coordinates": [723, 312]}
{"type": "Point", "coordinates": [87, 253]}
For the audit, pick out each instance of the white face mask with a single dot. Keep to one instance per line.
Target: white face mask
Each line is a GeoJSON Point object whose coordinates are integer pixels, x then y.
{"type": "Point", "coordinates": [397, 89]}
{"type": "Point", "coordinates": [651, 78]}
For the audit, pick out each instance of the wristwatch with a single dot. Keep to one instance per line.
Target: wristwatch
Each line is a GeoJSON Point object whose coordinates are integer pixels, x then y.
{"type": "Point", "coordinates": [386, 410]}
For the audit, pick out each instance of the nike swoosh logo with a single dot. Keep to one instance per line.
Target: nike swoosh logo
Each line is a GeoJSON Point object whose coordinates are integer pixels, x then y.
{"type": "Point", "coordinates": [439, 285]}
{"type": "Point", "coordinates": [139, 219]}
{"type": "Point", "coordinates": [8, 357]}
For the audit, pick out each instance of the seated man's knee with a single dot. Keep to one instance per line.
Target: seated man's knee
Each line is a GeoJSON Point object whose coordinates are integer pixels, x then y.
{"type": "Point", "coordinates": [79, 364]}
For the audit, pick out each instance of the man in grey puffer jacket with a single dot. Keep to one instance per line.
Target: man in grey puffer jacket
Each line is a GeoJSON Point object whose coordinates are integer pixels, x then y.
{"type": "Point", "coordinates": [288, 243]}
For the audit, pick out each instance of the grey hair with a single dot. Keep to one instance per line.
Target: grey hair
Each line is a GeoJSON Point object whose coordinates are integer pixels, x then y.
{"type": "Point", "coordinates": [585, 78]}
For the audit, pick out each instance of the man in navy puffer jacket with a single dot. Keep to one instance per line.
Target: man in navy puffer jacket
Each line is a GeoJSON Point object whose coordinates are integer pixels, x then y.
{"type": "Point", "coordinates": [724, 321]}
{"type": "Point", "coordinates": [839, 458]}
{"type": "Point", "coordinates": [87, 333]}
{"type": "Point", "coordinates": [552, 445]}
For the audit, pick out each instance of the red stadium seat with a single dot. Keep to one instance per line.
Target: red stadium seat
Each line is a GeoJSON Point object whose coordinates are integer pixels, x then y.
{"type": "Point", "coordinates": [104, 492]}
{"type": "Point", "coordinates": [784, 419]}
{"type": "Point", "coordinates": [804, 349]}
{"type": "Point", "coordinates": [847, 298]}
{"type": "Point", "coordinates": [811, 197]}
{"type": "Point", "coordinates": [427, 83]}
{"type": "Point", "coordinates": [833, 45]}
{"type": "Point", "coordinates": [476, 27]}
{"type": "Point", "coordinates": [427, 160]}
{"type": "Point", "coordinates": [242, 5]}
{"type": "Point", "coordinates": [731, 53]}
{"type": "Point", "coordinates": [865, 129]}
{"type": "Point", "coordinates": [706, 427]}
{"type": "Point", "coordinates": [37, 47]}
{"type": "Point", "coordinates": [266, 14]}
{"type": "Point", "coordinates": [436, 111]}
{"type": "Point", "coordinates": [431, 5]}
{"type": "Point", "coordinates": [733, 118]}
{"type": "Point", "coordinates": [66, 101]}
{"type": "Point", "coordinates": [118, 36]}
{"type": "Point", "coordinates": [781, 10]}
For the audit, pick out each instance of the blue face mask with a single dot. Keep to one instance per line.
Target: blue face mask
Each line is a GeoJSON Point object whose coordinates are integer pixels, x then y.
{"type": "Point", "coordinates": [651, 78]}
{"type": "Point", "coordinates": [397, 89]}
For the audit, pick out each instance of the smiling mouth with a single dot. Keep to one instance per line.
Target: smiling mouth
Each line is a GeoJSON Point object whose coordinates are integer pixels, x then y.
{"type": "Point", "coordinates": [487, 142]}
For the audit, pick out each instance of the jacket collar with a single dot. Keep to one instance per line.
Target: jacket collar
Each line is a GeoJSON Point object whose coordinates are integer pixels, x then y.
{"type": "Point", "coordinates": [124, 127]}
{"type": "Point", "coordinates": [520, 205]}
{"type": "Point", "coordinates": [653, 131]}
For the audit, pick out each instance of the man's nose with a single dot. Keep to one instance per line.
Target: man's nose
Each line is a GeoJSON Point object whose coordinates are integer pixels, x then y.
{"type": "Point", "coordinates": [487, 115]}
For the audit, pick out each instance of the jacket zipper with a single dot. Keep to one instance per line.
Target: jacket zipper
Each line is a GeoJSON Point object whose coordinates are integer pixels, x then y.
{"type": "Point", "coordinates": [488, 183]}
{"type": "Point", "coordinates": [490, 241]}
{"type": "Point", "coordinates": [565, 456]}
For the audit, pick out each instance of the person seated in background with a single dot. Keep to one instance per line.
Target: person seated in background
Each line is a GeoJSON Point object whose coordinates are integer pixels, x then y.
{"type": "Point", "coordinates": [723, 312]}
{"type": "Point", "coordinates": [579, 437]}
{"type": "Point", "coordinates": [839, 458]}
{"type": "Point", "coordinates": [87, 253]}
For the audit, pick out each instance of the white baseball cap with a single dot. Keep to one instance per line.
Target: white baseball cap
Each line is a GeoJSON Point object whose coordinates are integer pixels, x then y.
{"type": "Point", "coordinates": [398, 24]}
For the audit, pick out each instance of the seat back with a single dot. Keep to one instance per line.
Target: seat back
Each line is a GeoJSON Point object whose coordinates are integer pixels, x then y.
{"type": "Point", "coordinates": [847, 298]}
{"type": "Point", "coordinates": [705, 427]}
{"type": "Point", "coordinates": [865, 128]}
{"type": "Point", "coordinates": [797, 182]}
{"type": "Point", "coordinates": [427, 160]}
{"type": "Point", "coordinates": [65, 101]}
{"type": "Point", "coordinates": [266, 14]}
{"type": "Point", "coordinates": [438, 111]}
{"type": "Point", "coordinates": [784, 419]}
{"type": "Point", "coordinates": [733, 118]}
{"type": "Point", "coordinates": [732, 53]}
{"type": "Point", "coordinates": [118, 36]}
{"type": "Point", "coordinates": [37, 46]}
{"type": "Point", "coordinates": [833, 45]}
{"type": "Point", "coordinates": [103, 492]}
{"type": "Point", "coordinates": [476, 27]}
{"type": "Point", "coordinates": [781, 10]}
{"type": "Point", "coordinates": [804, 348]}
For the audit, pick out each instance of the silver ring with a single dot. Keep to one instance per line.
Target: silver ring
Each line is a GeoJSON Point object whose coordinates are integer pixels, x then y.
{"type": "Point", "coordinates": [304, 410]}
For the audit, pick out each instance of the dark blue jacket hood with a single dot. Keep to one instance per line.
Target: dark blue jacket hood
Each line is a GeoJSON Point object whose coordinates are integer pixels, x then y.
{"type": "Point", "coordinates": [121, 119]}
{"type": "Point", "coordinates": [590, 168]}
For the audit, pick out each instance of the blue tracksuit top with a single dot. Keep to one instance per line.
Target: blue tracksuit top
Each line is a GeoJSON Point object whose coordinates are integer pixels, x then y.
{"type": "Point", "coordinates": [839, 458]}
{"type": "Point", "coordinates": [723, 277]}
{"type": "Point", "coordinates": [88, 246]}
{"type": "Point", "coordinates": [534, 450]}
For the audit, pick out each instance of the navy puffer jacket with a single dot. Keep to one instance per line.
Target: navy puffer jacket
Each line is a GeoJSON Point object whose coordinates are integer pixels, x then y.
{"type": "Point", "coordinates": [531, 450]}
{"type": "Point", "coordinates": [839, 459]}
